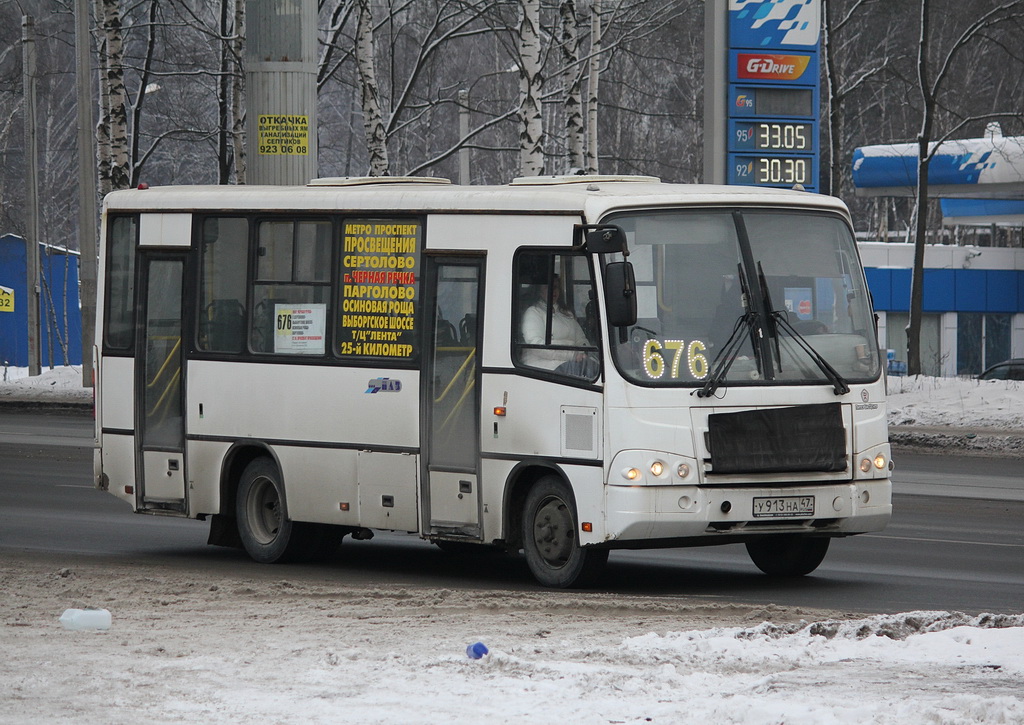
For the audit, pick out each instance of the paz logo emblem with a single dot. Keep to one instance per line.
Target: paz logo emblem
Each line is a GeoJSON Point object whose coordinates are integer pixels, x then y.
{"type": "Point", "coordinates": [864, 395]}
{"type": "Point", "coordinates": [383, 385]}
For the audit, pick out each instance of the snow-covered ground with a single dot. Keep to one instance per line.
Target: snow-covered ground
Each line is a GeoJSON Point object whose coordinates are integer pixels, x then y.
{"type": "Point", "coordinates": [59, 385]}
{"type": "Point", "coordinates": [219, 648]}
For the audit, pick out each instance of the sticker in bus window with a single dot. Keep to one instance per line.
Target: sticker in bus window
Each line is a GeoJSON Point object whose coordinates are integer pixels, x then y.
{"type": "Point", "coordinates": [798, 302]}
{"type": "Point", "coordinates": [299, 329]}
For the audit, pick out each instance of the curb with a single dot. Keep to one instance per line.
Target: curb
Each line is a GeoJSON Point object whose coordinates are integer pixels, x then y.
{"type": "Point", "coordinates": [47, 406]}
{"type": "Point", "coordinates": [1008, 444]}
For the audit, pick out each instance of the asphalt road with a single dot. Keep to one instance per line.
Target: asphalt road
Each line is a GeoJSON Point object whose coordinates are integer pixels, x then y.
{"type": "Point", "coordinates": [942, 551]}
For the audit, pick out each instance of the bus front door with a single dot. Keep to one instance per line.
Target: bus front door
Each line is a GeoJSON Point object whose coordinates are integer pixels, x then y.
{"type": "Point", "coordinates": [160, 424]}
{"type": "Point", "coordinates": [450, 494]}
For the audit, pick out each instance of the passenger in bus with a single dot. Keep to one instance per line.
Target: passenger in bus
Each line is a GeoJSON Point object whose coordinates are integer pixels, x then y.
{"type": "Point", "coordinates": [565, 331]}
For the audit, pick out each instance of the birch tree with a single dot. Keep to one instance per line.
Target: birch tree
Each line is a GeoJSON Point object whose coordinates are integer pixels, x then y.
{"type": "Point", "coordinates": [531, 86]}
{"type": "Point", "coordinates": [373, 120]}
{"type": "Point", "coordinates": [593, 81]}
{"type": "Point", "coordinates": [574, 127]}
{"type": "Point", "coordinates": [236, 48]}
{"type": "Point", "coordinates": [112, 128]}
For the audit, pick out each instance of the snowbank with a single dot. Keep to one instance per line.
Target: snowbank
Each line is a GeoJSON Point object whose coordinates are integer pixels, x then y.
{"type": "Point", "coordinates": [221, 649]}
{"type": "Point", "coordinates": [61, 385]}
{"type": "Point", "coordinates": [956, 402]}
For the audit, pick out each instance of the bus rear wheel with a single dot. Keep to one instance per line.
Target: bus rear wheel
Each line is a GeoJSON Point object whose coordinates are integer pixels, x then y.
{"type": "Point", "coordinates": [267, 534]}
{"type": "Point", "coordinates": [788, 554]}
{"type": "Point", "coordinates": [550, 539]}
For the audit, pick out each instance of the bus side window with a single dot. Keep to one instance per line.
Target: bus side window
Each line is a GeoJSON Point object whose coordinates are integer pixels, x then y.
{"type": "Point", "coordinates": [222, 284]}
{"type": "Point", "coordinates": [293, 276]}
{"type": "Point", "coordinates": [119, 326]}
{"type": "Point", "coordinates": [552, 329]}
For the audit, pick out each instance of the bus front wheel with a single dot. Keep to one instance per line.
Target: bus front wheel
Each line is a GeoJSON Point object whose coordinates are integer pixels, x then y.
{"type": "Point", "coordinates": [550, 539]}
{"type": "Point", "coordinates": [788, 554]}
{"type": "Point", "coordinates": [267, 534]}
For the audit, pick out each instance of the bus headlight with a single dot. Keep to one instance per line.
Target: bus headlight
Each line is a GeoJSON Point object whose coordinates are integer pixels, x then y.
{"type": "Point", "coordinates": [683, 471]}
{"type": "Point", "coordinates": [865, 466]}
{"type": "Point", "coordinates": [657, 468]}
{"type": "Point", "coordinates": [631, 474]}
{"type": "Point", "coordinates": [879, 461]}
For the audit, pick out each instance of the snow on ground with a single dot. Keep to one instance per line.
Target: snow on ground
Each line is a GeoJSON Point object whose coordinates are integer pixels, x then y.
{"type": "Point", "coordinates": [59, 385]}
{"type": "Point", "coordinates": [956, 402]}
{"type": "Point", "coordinates": [218, 648]}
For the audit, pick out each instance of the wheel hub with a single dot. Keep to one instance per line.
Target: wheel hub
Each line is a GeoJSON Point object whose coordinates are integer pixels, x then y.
{"type": "Point", "coordinates": [265, 507]}
{"type": "Point", "coordinates": [553, 532]}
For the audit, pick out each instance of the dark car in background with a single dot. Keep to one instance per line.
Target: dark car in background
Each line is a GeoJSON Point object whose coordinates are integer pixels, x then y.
{"type": "Point", "coordinates": [1006, 370]}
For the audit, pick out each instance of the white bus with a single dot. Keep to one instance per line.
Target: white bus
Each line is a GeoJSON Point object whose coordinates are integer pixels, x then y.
{"type": "Point", "coordinates": [562, 365]}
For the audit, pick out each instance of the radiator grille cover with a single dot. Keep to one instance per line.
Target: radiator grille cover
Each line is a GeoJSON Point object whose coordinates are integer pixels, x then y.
{"type": "Point", "coordinates": [801, 438]}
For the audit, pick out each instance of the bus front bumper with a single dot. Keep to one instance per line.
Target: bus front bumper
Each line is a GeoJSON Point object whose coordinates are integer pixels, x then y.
{"type": "Point", "coordinates": [636, 513]}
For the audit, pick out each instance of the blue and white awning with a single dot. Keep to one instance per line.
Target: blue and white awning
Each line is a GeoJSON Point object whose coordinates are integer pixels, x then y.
{"type": "Point", "coordinates": [980, 168]}
{"type": "Point", "coordinates": [983, 212]}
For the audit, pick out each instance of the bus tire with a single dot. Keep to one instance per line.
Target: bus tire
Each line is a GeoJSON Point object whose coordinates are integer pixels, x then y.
{"type": "Point", "coordinates": [550, 539]}
{"type": "Point", "coordinates": [267, 534]}
{"type": "Point", "coordinates": [788, 554]}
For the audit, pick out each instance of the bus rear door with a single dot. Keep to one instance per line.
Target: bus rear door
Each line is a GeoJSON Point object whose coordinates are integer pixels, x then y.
{"type": "Point", "coordinates": [160, 385]}
{"type": "Point", "coordinates": [450, 498]}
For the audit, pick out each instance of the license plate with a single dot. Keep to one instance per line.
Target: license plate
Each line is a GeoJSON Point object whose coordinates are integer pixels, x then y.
{"type": "Point", "coordinates": [783, 506]}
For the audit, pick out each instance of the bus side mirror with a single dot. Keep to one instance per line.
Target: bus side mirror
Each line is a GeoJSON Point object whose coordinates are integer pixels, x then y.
{"type": "Point", "coordinates": [620, 294]}
{"type": "Point", "coordinates": [604, 239]}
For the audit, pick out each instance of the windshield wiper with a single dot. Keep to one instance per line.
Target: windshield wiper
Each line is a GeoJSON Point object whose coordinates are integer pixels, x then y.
{"type": "Point", "coordinates": [731, 350]}
{"type": "Point", "coordinates": [728, 354]}
{"type": "Point", "coordinates": [839, 383]}
{"type": "Point", "coordinates": [778, 319]}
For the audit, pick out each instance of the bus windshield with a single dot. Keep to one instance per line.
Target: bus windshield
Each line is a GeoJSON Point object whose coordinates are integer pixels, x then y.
{"type": "Point", "coordinates": [745, 297]}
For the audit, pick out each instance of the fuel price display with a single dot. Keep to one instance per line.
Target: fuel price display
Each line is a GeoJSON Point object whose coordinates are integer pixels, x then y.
{"type": "Point", "coordinates": [773, 93]}
{"type": "Point", "coordinates": [791, 136]}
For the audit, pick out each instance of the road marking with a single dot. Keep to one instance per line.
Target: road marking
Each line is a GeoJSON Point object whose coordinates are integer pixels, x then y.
{"type": "Point", "coordinates": [943, 541]}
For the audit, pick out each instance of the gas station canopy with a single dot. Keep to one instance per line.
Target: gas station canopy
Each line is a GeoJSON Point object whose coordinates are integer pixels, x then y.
{"type": "Point", "coordinates": [979, 168]}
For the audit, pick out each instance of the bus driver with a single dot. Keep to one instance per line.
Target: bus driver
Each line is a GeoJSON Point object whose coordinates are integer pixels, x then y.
{"type": "Point", "coordinates": [565, 331]}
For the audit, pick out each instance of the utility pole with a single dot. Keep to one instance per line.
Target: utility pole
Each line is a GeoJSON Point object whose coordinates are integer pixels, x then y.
{"type": "Point", "coordinates": [31, 193]}
{"type": "Point", "coordinates": [280, 95]}
{"type": "Point", "coordinates": [86, 190]}
{"type": "Point", "coordinates": [716, 18]}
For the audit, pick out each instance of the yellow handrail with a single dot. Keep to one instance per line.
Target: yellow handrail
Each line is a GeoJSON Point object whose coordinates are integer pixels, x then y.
{"type": "Point", "coordinates": [470, 385]}
{"type": "Point", "coordinates": [458, 373]}
{"type": "Point", "coordinates": [172, 384]}
{"type": "Point", "coordinates": [170, 357]}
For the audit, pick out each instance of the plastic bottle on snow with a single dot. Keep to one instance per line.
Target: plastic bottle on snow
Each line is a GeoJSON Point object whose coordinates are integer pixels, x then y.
{"type": "Point", "coordinates": [476, 650]}
{"type": "Point", "coordinates": [89, 618]}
